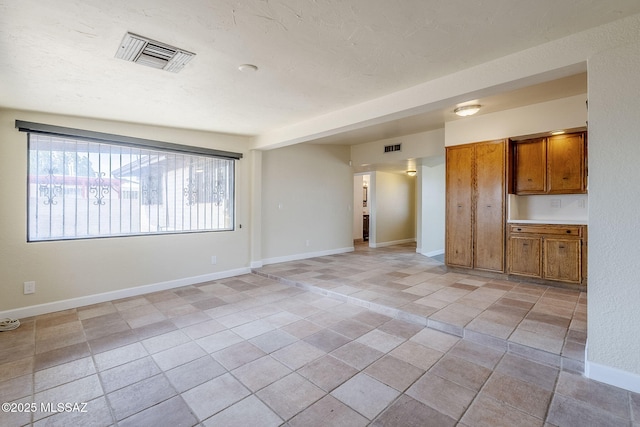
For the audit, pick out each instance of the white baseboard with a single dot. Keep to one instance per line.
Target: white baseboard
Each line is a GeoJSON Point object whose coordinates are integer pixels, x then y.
{"type": "Point", "coordinates": [612, 376]}
{"type": "Point", "coordinates": [433, 253]}
{"type": "Point", "coordinates": [391, 243]}
{"type": "Point", "coordinates": [50, 307]}
{"type": "Point", "coordinates": [306, 255]}
{"type": "Point", "coordinates": [256, 264]}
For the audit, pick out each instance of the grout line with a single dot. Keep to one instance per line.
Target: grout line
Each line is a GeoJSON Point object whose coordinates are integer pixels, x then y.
{"type": "Point", "coordinates": [539, 355]}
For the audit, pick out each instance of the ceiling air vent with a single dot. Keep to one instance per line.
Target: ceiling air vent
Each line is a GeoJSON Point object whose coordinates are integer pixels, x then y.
{"type": "Point", "coordinates": [392, 148]}
{"type": "Point", "coordinates": [153, 54]}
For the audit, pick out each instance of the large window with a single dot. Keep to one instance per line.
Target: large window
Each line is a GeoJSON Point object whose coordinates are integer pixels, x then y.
{"type": "Point", "coordinates": [84, 188]}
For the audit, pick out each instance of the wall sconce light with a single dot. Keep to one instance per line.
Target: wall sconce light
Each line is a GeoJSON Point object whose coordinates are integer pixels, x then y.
{"type": "Point", "coordinates": [467, 110]}
{"type": "Point", "coordinates": [411, 173]}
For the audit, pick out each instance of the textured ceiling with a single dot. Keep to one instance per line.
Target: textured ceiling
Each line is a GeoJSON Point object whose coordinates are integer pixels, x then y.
{"type": "Point", "coordinates": [314, 57]}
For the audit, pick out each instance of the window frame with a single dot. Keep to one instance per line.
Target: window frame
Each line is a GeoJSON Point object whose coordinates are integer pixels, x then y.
{"type": "Point", "coordinates": [131, 143]}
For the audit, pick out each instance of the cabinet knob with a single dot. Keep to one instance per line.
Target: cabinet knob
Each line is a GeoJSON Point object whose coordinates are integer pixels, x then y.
{"type": "Point", "coordinates": [561, 247]}
{"type": "Point", "coordinates": [519, 229]}
{"type": "Point", "coordinates": [568, 231]}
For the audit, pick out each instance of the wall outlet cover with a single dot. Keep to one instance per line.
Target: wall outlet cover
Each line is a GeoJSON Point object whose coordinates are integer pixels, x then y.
{"type": "Point", "coordinates": [29, 288]}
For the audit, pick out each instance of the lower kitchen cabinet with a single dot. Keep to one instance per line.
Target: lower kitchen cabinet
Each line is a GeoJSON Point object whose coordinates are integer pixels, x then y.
{"type": "Point", "coordinates": [562, 259]}
{"type": "Point", "coordinates": [525, 256]}
{"type": "Point", "coordinates": [549, 252]}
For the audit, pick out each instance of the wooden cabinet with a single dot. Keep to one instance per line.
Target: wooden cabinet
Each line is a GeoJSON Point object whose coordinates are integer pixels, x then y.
{"type": "Point", "coordinates": [475, 208]}
{"type": "Point", "coordinates": [566, 160]}
{"type": "Point", "coordinates": [459, 206]}
{"type": "Point", "coordinates": [525, 256]}
{"type": "Point", "coordinates": [550, 252]}
{"type": "Point", "coordinates": [562, 260]}
{"type": "Point", "coordinates": [553, 165]}
{"type": "Point", "coordinates": [530, 163]}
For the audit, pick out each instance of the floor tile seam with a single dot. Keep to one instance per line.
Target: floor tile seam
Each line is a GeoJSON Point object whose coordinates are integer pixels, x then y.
{"type": "Point", "coordinates": [626, 419]}
{"type": "Point", "coordinates": [161, 373]}
{"type": "Point", "coordinates": [324, 394]}
{"type": "Point", "coordinates": [484, 385]}
{"type": "Point", "coordinates": [97, 373]}
{"type": "Point", "coordinates": [629, 417]}
{"type": "Point", "coordinates": [370, 420]}
{"type": "Point", "coordinates": [396, 313]}
{"type": "Point", "coordinates": [255, 393]}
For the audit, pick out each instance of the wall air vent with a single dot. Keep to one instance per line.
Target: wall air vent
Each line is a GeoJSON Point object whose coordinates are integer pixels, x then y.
{"type": "Point", "coordinates": [153, 54]}
{"type": "Point", "coordinates": [392, 148]}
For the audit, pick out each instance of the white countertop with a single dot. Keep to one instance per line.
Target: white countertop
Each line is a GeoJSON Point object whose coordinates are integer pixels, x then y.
{"type": "Point", "coordinates": [549, 221]}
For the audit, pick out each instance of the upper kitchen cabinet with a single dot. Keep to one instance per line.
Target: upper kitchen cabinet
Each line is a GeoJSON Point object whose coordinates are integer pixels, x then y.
{"type": "Point", "coordinates": [552, 165]}
{"type": "Point", "coordinates": [567, 160]}
{"type": "Point", "coordinates": [530, 166]}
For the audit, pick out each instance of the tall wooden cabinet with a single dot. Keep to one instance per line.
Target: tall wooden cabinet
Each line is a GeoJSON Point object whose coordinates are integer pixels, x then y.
{"type": "Point", "coordinates": [475, 208]}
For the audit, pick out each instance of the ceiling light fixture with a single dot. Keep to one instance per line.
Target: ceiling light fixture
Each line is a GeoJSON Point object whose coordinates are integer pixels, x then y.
{"type": "Point", "coordinates": [411, 173]}
{"type": "Point", "coordinates": [247, 68]}
{"type": "Point", "coordinates": [467, 110]}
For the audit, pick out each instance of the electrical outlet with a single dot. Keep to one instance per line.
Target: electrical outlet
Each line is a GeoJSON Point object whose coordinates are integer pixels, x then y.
{"type": "Point", "coordinates": [29, 288]}
{"type": "Point", "coordinates": [307, 243]}
{"type": "Point", "coordinates": [214, 259]}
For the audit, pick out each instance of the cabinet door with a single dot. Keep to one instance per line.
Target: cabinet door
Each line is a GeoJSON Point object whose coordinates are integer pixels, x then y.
{"type": "Point", "coordinates": [566, 159]}
{"type": "Point", "coordinates": [525, 256]}
{"type": "Point", "coordinates": [530, 173]}
{"type": "Point", "coordinates": [459, 181]}
{"type": "Point", "coordinates": [562, 259]}
{"type": "Point", "coordinates": [489, 231]}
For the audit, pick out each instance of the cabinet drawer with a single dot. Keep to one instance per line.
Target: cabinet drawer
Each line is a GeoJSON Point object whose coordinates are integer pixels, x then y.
{"type": "Point", "coordinates": [560, 230]}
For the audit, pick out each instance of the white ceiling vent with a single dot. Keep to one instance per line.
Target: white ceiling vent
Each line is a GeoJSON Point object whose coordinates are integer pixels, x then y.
{"type": "Point", "coordinates": [151, 53]}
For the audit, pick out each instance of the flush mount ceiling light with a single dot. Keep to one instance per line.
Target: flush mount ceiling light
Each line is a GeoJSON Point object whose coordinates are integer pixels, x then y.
{"type": "Point", "coordinates": [467, 110]}
{"type": "Point", "coordinates": [411, 173]}
{"type": "Point", "coordinates": [151, 53]}
{"type": "Point", "coordinates": [247, 68]}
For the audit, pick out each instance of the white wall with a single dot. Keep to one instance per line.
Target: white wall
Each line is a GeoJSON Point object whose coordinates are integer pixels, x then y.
{"type": "Point", "coordinates": [571, 208]}
{"type": "Point", "coordinates": [431, 209]}
{"type": "Point", "coordinates": [564, 113]}
{"type": "Point", "coordinates": [613, 352]}
{"type": "Point", "coordinates": [66, 270]}
{"type": "Point", "coordinates": [307, 202]}
{"type": "Point", "coordinates": [394, 208]}
{"type": "Point", "coordinates": [419, 145]}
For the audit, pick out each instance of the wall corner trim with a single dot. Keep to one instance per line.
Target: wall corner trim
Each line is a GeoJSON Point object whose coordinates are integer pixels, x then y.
{"type": "Point", "coordinates": [391, 243]}
{"type": "Point", "coordinates": [612, 376]}
{"type": "Point", "coordinates": [433, 253]}
{"type": "Point", "coordinates": [305, 255]}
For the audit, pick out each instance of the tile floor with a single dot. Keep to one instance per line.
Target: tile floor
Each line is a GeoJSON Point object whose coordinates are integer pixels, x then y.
{"type": "Point", "coordinates": [257, 351]}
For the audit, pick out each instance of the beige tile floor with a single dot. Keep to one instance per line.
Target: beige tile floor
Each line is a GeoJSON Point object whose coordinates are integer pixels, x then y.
{"type": "Point", "coordinates": [257, 351]}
